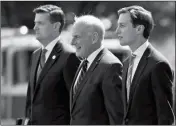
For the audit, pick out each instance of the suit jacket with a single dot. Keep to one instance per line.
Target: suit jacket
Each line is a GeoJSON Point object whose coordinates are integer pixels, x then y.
{"type": "Point", "coordinates": [150, 100]}
{"type": "Point", "coordinates": [98, 97]}
{"type": "Point", "coordinates": [48, 98]}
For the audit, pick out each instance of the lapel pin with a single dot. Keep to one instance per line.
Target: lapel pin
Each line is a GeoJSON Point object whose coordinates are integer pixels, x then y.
{"type": "Point", "coordinates": [54, 57]}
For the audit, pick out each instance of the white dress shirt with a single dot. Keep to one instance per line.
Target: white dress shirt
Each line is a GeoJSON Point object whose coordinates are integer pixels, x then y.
{"type": "Point", "coordinates": [92, 56]}
{"type": "Point", "coordinates": [139, 53]}
{"type": "Point", "coordinates": [50, 47]}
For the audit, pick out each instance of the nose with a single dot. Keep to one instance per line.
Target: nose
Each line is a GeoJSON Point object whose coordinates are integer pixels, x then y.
{"type": "Point", "coordinates": [117, 30]}
{"type": "Point", "coordinates": [35, 27]}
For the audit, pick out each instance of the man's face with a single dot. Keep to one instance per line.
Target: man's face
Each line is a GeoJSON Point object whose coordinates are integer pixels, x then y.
{"type": "Point", "coordinates": [43, 27]}
{"type": "Point", "coordinates": [82, 39]}
{"type": "Point", "coordinates": [125, 30]}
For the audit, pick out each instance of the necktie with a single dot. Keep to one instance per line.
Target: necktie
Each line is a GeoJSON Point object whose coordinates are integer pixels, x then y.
{"type": "Point", "coordinates": [129, 75]}
{"type": "Point", "coordinates": [41, 62]}
{"type": "Point", "coordinates": [42, 58]}
{"type": "Point", "coordinates": [83, 70]}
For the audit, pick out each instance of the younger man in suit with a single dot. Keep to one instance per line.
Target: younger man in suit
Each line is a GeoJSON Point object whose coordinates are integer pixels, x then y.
{"type": "Point", "coordinates": [52, 71]}
{"type": "Point", "coordinates": [147, 75]}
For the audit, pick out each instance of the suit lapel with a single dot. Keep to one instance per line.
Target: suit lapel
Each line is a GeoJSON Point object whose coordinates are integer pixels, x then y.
{"type": "Point", "coordinates": [55, 53]}
{"type": "Point", "coordinates": [87, 75]}
{"type": "Point", "coordinates": [34, 67]}
{"type": "Point", "coordinates": [71, 91]}
{"type": "Point", "coordinates": [51, 60]}
{"type": "Point", "coordinates": [140, 68]}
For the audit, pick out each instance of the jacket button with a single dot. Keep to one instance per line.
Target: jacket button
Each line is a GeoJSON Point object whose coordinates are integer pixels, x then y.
{"type": "Point", "coordinates": [126, 120]}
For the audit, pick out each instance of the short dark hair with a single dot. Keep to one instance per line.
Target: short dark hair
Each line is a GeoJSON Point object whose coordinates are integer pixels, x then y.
{"type": "Point", "coordinates": [140, 16]}
{"type": "Point", "coordinates": [55, 12]}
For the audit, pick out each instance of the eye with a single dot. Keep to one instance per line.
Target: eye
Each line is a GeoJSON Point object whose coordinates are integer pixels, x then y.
{"type": "Point", "coordinates": [39, 23]}
{"type": "Point", "coordinates": [122, 25]}
{"type": "Point", "coordinates": [76, 37]}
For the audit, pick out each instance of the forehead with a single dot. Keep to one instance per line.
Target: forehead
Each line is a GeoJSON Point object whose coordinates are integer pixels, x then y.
{"type": "Point", "coordinates": [79, 28]}
{"type": "Point", "coordinates": [124, 18]}
{"type": "Point", "coordinates": [42, 17]}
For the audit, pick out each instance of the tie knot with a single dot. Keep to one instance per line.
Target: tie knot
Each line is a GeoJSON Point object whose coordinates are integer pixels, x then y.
{"type": "Point", "coordinates": [44, 51]}
{"type": "Point", "coordinates": [132, 57]}
{"type": "Point", "coordinates": [85, 62]}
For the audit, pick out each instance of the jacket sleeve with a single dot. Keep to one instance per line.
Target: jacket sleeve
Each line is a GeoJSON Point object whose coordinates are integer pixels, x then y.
{"type": "Point", "coordinates": [112, 88]}
{"type": "Point", "coordinates": [28, 96]}
{"type": "Point", "coordinates": [70, 69]}
{"type": "Point", "coordinates": [162, 82]}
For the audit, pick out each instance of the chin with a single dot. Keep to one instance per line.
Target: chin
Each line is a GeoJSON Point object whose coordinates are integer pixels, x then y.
{"type": "Point", "coordinates": [77, 54]}
{"type": "Point", "coordinates": [37, 37]}
{"type": "Point", "coordinates": [122, 43]}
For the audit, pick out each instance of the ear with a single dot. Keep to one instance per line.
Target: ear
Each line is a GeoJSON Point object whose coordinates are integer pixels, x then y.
{"type": "Point", "coordinates": [57, 26]}
{"type": "Point", "coordinates": [140, 29]}
{"type": "Point", "coordinates": [95, 37]}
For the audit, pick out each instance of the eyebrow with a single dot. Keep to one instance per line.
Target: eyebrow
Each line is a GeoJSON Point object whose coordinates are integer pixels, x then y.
{"type": "Point", "coordinates": [76, 36]}
{"type": "Point", "coordinates": [121, 22]}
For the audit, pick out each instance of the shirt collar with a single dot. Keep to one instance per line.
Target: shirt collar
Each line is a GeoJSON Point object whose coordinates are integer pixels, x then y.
{"type": "Point", "coordinates": [141, 49]}
{"type": "Point", "coordinates": [92, 56]}
{"type": "Point", "coordinates": [51, 45]}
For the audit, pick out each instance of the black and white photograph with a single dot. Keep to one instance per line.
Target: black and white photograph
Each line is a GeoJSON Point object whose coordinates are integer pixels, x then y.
{"type": "Point", "coordinates": [88, 63]}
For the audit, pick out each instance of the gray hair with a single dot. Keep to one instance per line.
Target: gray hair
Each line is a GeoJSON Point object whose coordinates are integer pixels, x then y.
{"type": "Point", "coordinates": [93, 22]}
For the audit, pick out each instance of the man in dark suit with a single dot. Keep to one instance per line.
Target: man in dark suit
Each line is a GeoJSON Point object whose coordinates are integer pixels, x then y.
{"type": "Point", "coordinates": [147, 75]}
{"type": "Point", "coordinates": [95, 96]}
{"type": "Point", "coordinates": [53, 68]}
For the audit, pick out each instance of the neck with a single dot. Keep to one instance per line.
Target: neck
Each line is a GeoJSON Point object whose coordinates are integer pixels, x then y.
{"type": "Point", "coordinates": [46, 41]}
{"type": "Point", "coordinates": [137, 44]}
{"type": "Point", "coordinates": [93, 48]}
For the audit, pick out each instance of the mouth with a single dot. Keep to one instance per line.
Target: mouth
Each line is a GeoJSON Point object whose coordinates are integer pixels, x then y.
{"type": "Point", "coordinates": [36, 32]}
{"type": "Point", "coordinates": [78, 48]}
{"type": "Point", "coordinates": [120, 37]}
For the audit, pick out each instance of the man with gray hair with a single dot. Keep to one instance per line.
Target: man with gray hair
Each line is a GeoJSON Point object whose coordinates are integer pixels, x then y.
{"type": "Point", "coordinates": [95, 96]}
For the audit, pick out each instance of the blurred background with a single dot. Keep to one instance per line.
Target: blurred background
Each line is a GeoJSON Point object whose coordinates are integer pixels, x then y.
{"type": "Point", "coordinates": [18, 41]}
